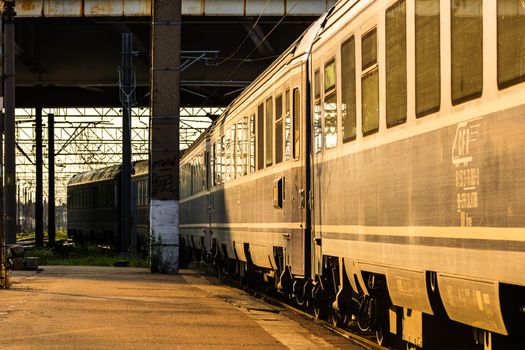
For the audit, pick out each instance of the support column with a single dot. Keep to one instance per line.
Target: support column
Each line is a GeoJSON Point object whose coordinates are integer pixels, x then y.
{"type": "Point", "coordinates": [51, 227]}
{"type": "Point", "coordinates": [127, 85]}
{"type": "Point", "coordinates": [39, 209]}
{"type": "Point", "coordinates": [3, 251]}
{"type": "Point", "coordinates": [165, 115]}
{"type": "Point", "coordinates": [9, 122]}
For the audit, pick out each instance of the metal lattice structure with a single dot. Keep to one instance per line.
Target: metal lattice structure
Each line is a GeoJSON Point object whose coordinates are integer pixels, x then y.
{"type": "Point", "coordinates": [91, 138]}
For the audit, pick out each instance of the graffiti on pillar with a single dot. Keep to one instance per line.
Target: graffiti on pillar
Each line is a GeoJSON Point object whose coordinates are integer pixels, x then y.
{"type": "Point", "coordinates": [164, 178]}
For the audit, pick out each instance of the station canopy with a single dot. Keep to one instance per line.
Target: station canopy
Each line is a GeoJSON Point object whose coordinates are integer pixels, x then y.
{"type": "Point", "coordinates": [68, 52]}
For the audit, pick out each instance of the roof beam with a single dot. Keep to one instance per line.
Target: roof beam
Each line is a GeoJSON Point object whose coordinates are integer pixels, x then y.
{"type": "Point", "coordinates": [142, 8]}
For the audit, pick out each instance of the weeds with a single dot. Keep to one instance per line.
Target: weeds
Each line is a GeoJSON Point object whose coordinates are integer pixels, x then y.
{"type": "Point", "coordinates": [73, 255]}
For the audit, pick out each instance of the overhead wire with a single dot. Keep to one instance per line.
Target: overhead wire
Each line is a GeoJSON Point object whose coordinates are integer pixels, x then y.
{"type": "Point", "coordinates": [255, 48]}
{"type": "Point", "coordinates": [247, 35]}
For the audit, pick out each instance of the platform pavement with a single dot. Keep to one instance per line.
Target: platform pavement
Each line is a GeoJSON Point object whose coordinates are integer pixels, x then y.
{"type": "Point", "coordinates": [129, 308]}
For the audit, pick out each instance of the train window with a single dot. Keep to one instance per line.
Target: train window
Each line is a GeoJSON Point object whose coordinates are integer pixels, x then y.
{"type": "Point", "coordinates": [296, 123]}
{"type": "Point", "coordinates": [278, 129]}
{"type": "Point", "coordinates": [428, 73]}
{"type": "Point", "coordinates": [213, 164]}
{"type": "Point", "coordinates": [317, 84]}
{"type": "Point", "coordinates": [222, 160]}
{"type": "Point", "coordinates": [370, 83]}
{"type": "Point", "coordinates": [467, 60]}
{"type": "Point", "coordinates": [245, 145]}
{"type": "Point", "coordinates": [218, 161]}
{"type": "Point", "coordinates": [511, 42]}
{"type": "Point", "coordinates": [287, 126]}
{"type": "Point", "coordinates": [253, 138]}
{"type": "Point", "coordinates": [269, 132]}
{"type": "Point", "coordinates": [228, 153]}
{"type": "Point", "coordinates": [369, 49]}
{"type": "Point", "coordinates": [329, 76]}
{"type": "Point", "coordinates": [330, 105]}
{"type": "Point", "coordinates": [260, 136]}
{"type": "Point", "coordinates": [348, 89]}
{"type": "Point", "coordinates": [396, 64]}
{"type": "Point", "coordinates": [317, 112]}
{"type": "Point", "coordinates": [239, 149]}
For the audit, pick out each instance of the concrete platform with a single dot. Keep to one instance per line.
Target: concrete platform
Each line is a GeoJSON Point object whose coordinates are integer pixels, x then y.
{"type": "Point", "coordinates": [127, 308]}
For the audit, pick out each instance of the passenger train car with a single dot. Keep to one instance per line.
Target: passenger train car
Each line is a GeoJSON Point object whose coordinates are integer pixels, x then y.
{"type": "Point", "coordinates": [375, 171]}
{"type": "Point", "coordinates": [94, 205]}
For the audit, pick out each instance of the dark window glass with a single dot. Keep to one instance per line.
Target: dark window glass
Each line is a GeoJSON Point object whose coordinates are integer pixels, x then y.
{"type": "Point", "coordinates": [348, 89]}
{"type": "Point", "coordinates": [511, 42]}
{"type": "Point", "coordinates": [370, 83]}
{"type": "Point", "coordinates": [467, 59]}
{"type": "Point", "coordinates": [245, 145]}
{"type": "Point", "coordinates": [428, 71]}
{"type": "Point", "coordinates": [396, 64]}
{"type": "Point", "coordinates": [228, 154]}
{"type": "Point", "coordinates": [369, 49]}
{"type": "Point", "coordinates": [278, 129]}
{"type": "Point", "coordinates": [317, 84]}
{"type": "Point", "coordinates": [239, 149]}
{"type": "Point", "coordinates": [329, 76]}
{"type": "Point", "coordinates": [260, 137]}
{"type": "Point", "coordinates": [287, 126]}
{"type": "Point", "coordinates": [269, 132]}
{"type": "Point", "coordinates": [330, 105]}
{"type": "Point", "coordinates": [318, 129]}
{"type": "Point", "coordinates": [296, 123]}
{"type": "Point", "coordinates": [253, 137]}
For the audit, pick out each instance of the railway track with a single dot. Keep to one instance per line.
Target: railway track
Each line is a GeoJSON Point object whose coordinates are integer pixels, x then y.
{"type": "Point", "coordinates": [361, 340]}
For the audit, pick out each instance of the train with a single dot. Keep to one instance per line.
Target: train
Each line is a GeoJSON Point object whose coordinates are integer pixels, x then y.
{"type": "Point", "coordinates": [374, 173]}
{"type": "Point", "coordinates": [94, 206]}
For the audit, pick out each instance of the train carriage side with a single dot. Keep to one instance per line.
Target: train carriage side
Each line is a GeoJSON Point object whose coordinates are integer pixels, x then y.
{"type": "Point", "coordinates": [140, 208]}
{"type": "Point", "coordinates": [92, 208]}
{"type": "Point", "coordinates": [256, 177]}
{"type": "Point", "coordinates": [418, 173]}
{"type": "Point", "coordinates": [194, 202]}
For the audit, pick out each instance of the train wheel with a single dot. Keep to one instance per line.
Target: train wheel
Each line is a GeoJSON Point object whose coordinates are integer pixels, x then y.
{"type": "Point", "coordinates": [319, 304]}
{"type": "Point", "coordinates": [367, 314]}
{"type": "Point", "coordinates": [336, 319]}
{"type": "Point", "coordinates": [383, 336]}
{"type": "Point", "coordinates": [410, 346]}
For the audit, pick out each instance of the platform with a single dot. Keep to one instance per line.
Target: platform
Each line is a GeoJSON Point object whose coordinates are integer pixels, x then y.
{"type": "Point", "coordinates": [128, 308]}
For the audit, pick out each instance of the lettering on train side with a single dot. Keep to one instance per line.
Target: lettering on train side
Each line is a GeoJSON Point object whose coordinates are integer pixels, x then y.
{"type": "Point", "coordinates": [467, 174]}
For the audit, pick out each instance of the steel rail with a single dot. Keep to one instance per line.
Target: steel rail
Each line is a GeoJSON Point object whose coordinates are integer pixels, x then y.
{"type": "Point", "coordinates": [359, 340]}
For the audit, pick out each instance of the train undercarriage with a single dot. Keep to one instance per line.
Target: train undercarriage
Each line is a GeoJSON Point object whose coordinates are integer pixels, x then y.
{"type": "Point", "coordinates": [364, 305]}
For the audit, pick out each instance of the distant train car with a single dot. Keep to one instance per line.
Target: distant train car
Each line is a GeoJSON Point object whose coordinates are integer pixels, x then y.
{"type": "Point", "coordinates": [94, 205]}
{"type": "Point", "coordinates": [376, 170]}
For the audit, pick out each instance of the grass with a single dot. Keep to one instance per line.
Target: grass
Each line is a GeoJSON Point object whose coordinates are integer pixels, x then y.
{"type": "Point", "coordinates": [61, 235]}
{"type": "Point", "coordinates": [72, 255]}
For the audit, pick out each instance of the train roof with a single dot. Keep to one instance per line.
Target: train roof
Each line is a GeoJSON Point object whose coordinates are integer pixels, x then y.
{"type": "Point", "coordinates": [108, 173]}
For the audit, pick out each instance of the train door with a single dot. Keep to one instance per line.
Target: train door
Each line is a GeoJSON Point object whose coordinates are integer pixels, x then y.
{"type": "Point", "coordinates": [317, 139]}
{"type": "Point", "coordinates": [297, 252]}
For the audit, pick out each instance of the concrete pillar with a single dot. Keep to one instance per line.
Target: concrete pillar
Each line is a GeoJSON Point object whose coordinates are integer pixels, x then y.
{"type": "Point", "coordinates": [8, 15]}
{"type": "Point", "coordinates": [165, 115]}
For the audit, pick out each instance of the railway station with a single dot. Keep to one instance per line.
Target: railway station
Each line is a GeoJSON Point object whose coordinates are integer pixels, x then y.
{"type": "Point", "coordinates": [302, 174]}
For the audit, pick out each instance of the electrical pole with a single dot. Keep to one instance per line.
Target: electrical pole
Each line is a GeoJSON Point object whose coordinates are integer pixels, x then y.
{"type": "Point", "coordinates": [127, 84]}
{"type": "Point", "coordinates": [39, 209]}
{"type": "Point", "coordinates": [8, 16]}
{"type": "Point", "coordinates": [51, 227]}
{"type": "Point", "coordinates": [3, 251]}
